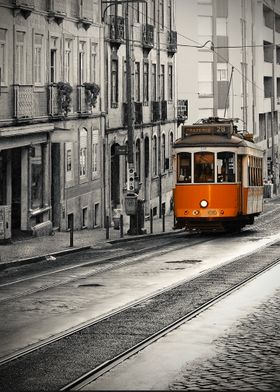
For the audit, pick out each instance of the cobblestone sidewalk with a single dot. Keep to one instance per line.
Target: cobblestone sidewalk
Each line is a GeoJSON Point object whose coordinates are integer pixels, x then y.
{"type": "Point", "coordinates": [60, 241]}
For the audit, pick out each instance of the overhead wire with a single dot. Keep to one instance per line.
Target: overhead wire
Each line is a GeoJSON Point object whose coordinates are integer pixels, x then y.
{"type": "Point", "coordinates": [213, 49]}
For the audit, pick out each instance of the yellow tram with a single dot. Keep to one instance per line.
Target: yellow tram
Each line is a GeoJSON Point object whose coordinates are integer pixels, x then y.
{"type": "Point", "coordinates": [218, 180]}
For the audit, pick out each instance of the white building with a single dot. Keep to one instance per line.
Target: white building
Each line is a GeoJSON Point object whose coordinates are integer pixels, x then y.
{"type": "Point", "coordinates": [228, 66]}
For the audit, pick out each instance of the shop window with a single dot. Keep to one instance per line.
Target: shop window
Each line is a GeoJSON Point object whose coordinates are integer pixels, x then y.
{"type": "Point", "coordinates": [85, 217]}
{"type": "Point", "coordinates": [36, 166]}
{"type": "Point", "coordinates": [96, 215]}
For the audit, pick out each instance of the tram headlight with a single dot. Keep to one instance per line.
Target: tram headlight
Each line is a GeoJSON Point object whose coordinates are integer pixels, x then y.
{"type": "Point", "coordinates": [203, 203]}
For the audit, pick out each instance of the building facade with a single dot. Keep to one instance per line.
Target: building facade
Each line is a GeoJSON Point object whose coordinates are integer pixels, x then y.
{"type": "Point", "coordinates": [153, 44]}
{"type": "Point", "coordinates": [233, 70]}
{"type": "Point", "coordinates": [63, 114]}
{"type": "Point", "coordinates": [51, 120]}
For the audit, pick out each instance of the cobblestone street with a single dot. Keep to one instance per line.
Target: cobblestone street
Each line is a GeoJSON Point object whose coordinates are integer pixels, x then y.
{"type": "Point", "coordinates": [247, 356]}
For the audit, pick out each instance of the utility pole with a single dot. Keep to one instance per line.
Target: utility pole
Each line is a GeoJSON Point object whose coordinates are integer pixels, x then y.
{"type": "Point", "coordinates": [130, 120]}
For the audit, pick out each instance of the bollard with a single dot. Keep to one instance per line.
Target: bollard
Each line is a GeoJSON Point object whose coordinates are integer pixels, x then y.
{"type": "Point", "coordinates": [107, 227]}
{"type": "Point", "coordinates": [151, 221]}
{"type": "Point", "coordinates": [121, 226]}
{"type": "Point", "coordinates": [163, 217]}
{"type": "Point", "coordinates": [71, 232]}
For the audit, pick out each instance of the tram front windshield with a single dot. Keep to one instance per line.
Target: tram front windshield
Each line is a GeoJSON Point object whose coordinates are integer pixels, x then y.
{"type": "Point", "coordinates": [205, 166]}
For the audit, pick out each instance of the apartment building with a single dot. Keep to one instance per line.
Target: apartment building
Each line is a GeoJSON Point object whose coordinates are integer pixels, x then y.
{"type": "Point", "coordinates": [51, 120]}
{"type": "Point", "coordinates": [153, 45]}
{"type": "Point", "coordinates": [228, 67]}
{"type": "Point", "coordinates": [63, 117]}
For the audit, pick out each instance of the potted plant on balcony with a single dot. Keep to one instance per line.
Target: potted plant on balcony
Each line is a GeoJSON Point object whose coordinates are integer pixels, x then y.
{"type": "Point", "coordinates": [91, 90]}
{"type": "Point", "coordinates": [64, 98]}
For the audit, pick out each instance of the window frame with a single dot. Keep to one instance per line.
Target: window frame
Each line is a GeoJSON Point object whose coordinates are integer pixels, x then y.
{"type": "Point", "coordinates": [114, 82]}
{"type": "Point", "coordinates": [83, 153]}
{"type": "Point", "coordinates": [4, 61]}
{"type": "Point", "coordinates": [20, 58]}
{"type": "Point", "coordinates": [38, 60]}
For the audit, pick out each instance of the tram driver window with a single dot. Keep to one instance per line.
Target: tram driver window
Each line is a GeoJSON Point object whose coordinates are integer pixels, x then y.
{"type": "Point", "coordinates": [226, 166]}
{"type": "Point", "coordinates": [184, 167]}
{"type": "Point", "coordinates": [203, 167]}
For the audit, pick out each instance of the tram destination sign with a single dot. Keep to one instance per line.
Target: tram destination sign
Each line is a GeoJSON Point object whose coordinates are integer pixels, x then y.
{"type": "Point", "coordinates": [207, 129]}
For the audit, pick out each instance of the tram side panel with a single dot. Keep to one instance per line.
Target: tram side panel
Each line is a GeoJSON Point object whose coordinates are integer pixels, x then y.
{"type": "Point", "coordinates": [252, 200]}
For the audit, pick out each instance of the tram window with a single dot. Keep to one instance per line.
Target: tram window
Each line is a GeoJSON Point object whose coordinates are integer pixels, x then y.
{"type": "Point", "coordinates": [203, 167]}
{"type": "Point", "coordinates": [254, 171]}
{"type": "Point", "coordinates": [184, 167]}
{"type": "Point", "coordinates": [225, 166]}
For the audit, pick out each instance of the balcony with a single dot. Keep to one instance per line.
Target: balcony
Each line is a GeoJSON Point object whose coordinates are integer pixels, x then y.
{"type": "Point", "coordinates": [148, 37]}
{"type": "Point", "coordinates": [138, 113]}
{"type": "Point", "coordinates": [155, 111]}
{"type": "Point", "coordinates": [86, 14]}
{"type": "Point", "coordinates": [163, 110]}
{"type": "Point", "coordinates": [57, 11]}
{"type": "Point", "coordinates": [83, 104]}
{"type": "Point", "coordinates": [23, 7]}
{"type": "Point", "coordinates": [23, 102]}
{"type": "Point", "coordinates": [138, 107]}
{"type": "Point", "coordinates": [53, 101]}
{"type": "Point", "coordinates": [172, 42]}
{"type": "Point", "coordinates": [116, 30]}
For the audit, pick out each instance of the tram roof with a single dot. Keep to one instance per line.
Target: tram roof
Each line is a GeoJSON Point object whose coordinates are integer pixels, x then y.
{"type": "Point", "coordinates": [213, 141]}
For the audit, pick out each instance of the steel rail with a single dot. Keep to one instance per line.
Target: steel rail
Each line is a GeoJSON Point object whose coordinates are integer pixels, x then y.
{"type": "Point", "coordinates": [109, 364]}
{"type": "Point", "coordinates": [143, 252]}
{"type": "Point", "coordinates": [75, 329]}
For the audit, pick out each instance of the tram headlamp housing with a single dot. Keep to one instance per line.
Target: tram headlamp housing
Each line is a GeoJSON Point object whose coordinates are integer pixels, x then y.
{"type": "Point", "coordinates": [203, 203]}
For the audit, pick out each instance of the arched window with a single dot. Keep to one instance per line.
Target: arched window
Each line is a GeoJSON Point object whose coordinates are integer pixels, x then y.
{"type": "Point", "coordinates": [154, 155]}
{"type": "Point", "coordinates": [163, 166]}
{"type": "Point", "coordinates": [83, 152]}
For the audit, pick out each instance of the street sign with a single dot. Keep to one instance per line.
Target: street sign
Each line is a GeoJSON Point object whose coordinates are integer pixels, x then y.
{"type": "Point", "coordinates": [121, 150]}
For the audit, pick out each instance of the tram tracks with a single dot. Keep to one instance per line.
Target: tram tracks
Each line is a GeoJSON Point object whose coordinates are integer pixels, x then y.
{"type": "Point", "coordinates": [107, 264]}
{"type": "Point", "coordinates": [105, 367]}
{"type": "Point", "coordinates": [118, 334]}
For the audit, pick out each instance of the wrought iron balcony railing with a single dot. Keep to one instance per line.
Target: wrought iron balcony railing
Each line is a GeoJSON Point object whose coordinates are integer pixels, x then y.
{"type": "Point", "coordinates": [83, 103]}
{"type": "Point", "coordinates": [54, 109]}
{"type": "Point", "coordinates": [138, 113]}
{"type": "Point", "coordinates": [138, 107]}
{"type": "Point", "coordinates": [155, 111]}
{"type": "Point", "coordinates": [148, 36]}
{"type": "Point", "coordinates": [23, 101]}
{"type": "Point", "coordinates": [172, 42]}
{"type": "Point", "coordinates": [164, 110]}
{"type": "Point", "coordinates": [116, 30]}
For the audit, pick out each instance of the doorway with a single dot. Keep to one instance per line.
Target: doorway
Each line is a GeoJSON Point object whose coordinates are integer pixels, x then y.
{"type": "Point", "coordinates": [16, 189]}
